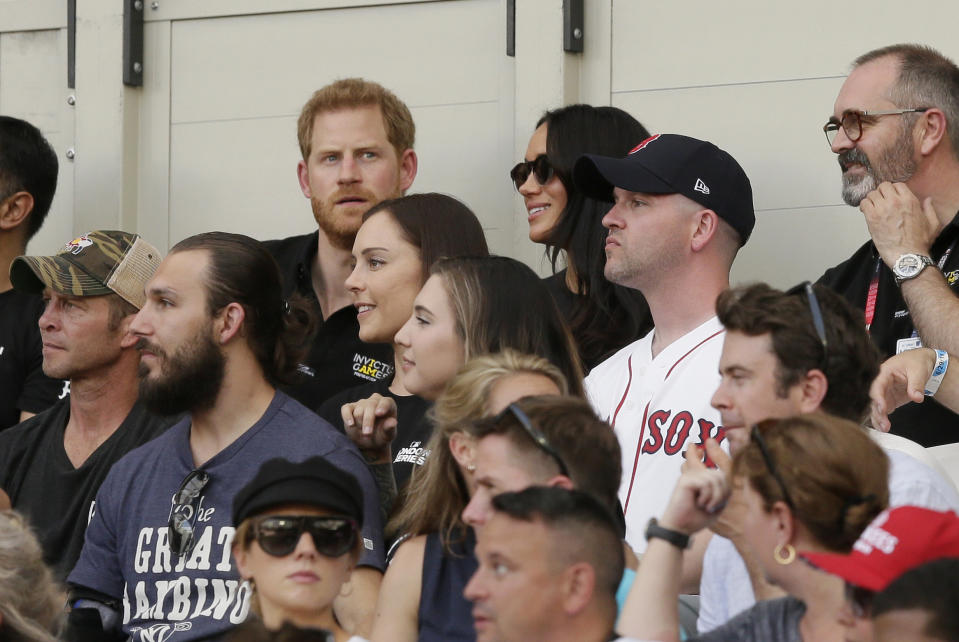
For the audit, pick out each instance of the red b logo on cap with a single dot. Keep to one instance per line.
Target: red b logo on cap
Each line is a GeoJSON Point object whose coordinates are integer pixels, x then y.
{"type": "Point", "coordinates": [644, 143]}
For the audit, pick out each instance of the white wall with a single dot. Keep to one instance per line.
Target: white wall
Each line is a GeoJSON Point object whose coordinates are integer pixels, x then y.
{"type": "Point", "coordinates": [209, 141]}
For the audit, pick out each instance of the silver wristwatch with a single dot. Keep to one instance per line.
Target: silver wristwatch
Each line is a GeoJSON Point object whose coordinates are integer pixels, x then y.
{"type": "Point", "coordinates": [908, 266]}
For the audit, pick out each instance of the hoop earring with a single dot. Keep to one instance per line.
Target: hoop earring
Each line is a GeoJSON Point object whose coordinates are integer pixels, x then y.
{"type": "Point", "coordinates": [790, 554]}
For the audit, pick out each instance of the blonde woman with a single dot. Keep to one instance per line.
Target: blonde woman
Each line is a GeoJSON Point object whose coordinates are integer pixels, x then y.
{"type": "Point", "coordinates": [297, 541]}
{"type": "Point", "coordinates": [31, 603]}
{"type": "Point", "coordinates": [421, 596]}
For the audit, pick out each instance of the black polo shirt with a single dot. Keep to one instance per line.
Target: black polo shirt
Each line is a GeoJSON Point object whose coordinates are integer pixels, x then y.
{"type": "Point", "coordinates": [928, 423]}
{"type": "Point", "coordinates": [337, 359]}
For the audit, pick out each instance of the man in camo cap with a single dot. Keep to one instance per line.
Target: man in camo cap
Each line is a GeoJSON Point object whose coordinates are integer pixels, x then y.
{"type": "Point", "coordinates": [51, 465]}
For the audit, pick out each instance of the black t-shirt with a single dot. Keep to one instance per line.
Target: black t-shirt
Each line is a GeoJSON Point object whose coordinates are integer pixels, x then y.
{"type": "Point", "coordinates": [23, 386]}
{"type": "Point", "coordinates": [928, 423]}
{"type": "Point", "coordinates": [337, 359]}
{"type": "Point", "coordinates": [413, 429]}
{"type": "Point", "coordinates": [42, 483]}
{"type": "Point", "coordinates": [615, 337]}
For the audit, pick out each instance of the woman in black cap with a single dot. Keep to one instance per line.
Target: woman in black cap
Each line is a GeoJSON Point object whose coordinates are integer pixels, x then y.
{"type": "Point", "coordinates": [297, 541]}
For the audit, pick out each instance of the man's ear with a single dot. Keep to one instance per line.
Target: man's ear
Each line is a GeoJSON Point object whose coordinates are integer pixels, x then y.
{"type": "Point", "coordinates": [15, 209]}
{"type": "Point", "coordinates": [932, 129]}
{"type": "Point", "coordinates": [229, 322]}
{"type": "Point", "coordinates": [578, 584]}
{"type": "Point", "coordinates": [127, 338]}
{"type": "Point", "coordinates": [812, 390]}
{"type": "Point", "coordinates": [462, 447]}
{"type": "Point", "coordinates": [707, 224]}
{"type": "Point", "coordinates": [561, 481]}
{"type": "Point", "coordinates": [408, 166]}
{"type": "Point", "coordinates": [303, 178]}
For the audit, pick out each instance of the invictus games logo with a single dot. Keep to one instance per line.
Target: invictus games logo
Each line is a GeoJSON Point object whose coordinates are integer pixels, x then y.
{"type": "Point", "coordinates": [371, 369]}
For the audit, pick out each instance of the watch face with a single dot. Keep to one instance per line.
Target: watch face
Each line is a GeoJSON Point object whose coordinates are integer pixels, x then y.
{"type": "Point", "coordinates": [908, 266]}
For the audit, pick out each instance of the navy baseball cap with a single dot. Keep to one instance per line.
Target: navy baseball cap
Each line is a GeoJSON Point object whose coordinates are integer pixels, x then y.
{"type": "Point", "coordinates": [674, 164]}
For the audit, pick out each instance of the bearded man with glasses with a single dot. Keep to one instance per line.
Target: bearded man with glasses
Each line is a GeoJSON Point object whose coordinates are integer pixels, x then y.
{"type": "Point", "coordinates": [895, 130]}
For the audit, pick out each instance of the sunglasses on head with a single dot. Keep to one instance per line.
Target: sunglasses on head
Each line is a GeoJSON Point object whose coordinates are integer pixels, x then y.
{"type": "Point", "coordinates": [278, 535]}
{"type": "Point", "coordinates": [539, 167]}
{"type": "Point", "coordinates": [535, 434]}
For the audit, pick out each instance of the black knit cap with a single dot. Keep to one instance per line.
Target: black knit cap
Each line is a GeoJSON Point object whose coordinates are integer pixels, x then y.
{"type": "Point", "coordinates": [674, 164]}
{"type": "Point", "coordinates": [314, 482]}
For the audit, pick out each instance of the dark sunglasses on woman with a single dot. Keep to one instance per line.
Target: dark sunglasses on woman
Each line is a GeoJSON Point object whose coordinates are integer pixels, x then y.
{"type": "Point", "coordinates": [278, 535]}
{"type": "Point", "coordinates": [539, 167]}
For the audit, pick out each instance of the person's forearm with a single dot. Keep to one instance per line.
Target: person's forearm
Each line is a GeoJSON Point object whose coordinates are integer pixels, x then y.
{"type": "Point", "coordinates": [650, 611]}
{"type": "Point", "coordinates": [933, 308]}
{"type": "Point", "coordinates": [385, 486]}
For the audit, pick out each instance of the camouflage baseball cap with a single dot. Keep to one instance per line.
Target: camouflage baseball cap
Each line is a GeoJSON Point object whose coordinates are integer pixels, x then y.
{"type": "Point", "coordinates": [100, 262]}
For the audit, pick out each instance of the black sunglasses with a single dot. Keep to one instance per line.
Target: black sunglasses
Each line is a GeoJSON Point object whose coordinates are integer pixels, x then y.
{"type": "Point", "coordinates": [182, 524]}
{"type": "Point", "coordinates": [817, 318]}
{"type": "Point", "coordinates": [535, 434]}
{"type": "Point", "coordinates": [539, 167]}
{"type": "Point", "coordinates": [757, 437]}
{"type": "Point", "coordinates": [860, 600]}
{"type": "Point", "coordinates": [278, 535]}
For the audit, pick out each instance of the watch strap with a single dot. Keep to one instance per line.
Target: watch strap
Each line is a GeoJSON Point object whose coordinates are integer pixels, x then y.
{"type": "Point", "coordinates": [677, 539]}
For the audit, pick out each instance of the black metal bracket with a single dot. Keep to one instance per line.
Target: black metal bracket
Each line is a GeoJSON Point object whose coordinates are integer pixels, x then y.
{"type": "Point", "coordinates": [72, 44]}
{"type": "Point", "coordinates": [511, 28]}
{"type": "Point", "coordinates": [133, 43]}
{"type": "Point", "coordinates": [573, 26]}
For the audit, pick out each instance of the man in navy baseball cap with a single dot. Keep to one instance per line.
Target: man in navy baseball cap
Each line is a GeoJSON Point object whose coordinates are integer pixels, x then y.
{"type": "Point", "coordinates": [674, 164]}
{"type": "Point", "coordinates": [682, 210]}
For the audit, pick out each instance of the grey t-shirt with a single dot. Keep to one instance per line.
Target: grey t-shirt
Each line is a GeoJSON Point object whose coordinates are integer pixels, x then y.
{"type": "Point", "coordinates": [126, 554]}
{"type": "Point", "coordinates": [768, 621]}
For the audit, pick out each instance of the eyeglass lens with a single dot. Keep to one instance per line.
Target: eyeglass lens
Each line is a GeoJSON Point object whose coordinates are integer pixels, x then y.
{"type": "Point", "coordinates": [540, 167]}
{"type": "Point", "coordinates": [279, 535]}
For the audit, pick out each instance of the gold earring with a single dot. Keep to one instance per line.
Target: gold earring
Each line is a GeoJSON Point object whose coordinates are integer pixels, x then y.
{"type": "Point", "coordinates": [790, 554]}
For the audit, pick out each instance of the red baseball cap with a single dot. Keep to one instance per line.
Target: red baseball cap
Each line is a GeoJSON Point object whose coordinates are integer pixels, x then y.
{"type": "Point", "coordinates": [897, 540]}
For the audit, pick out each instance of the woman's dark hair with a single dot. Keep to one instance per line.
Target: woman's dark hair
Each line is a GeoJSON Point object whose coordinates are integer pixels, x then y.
{"type": "Point", "coordinates": [606, 316]}
{"type": "Point", "coordinates": [242, 271]}
{"type": "Point", "coordinates": [437, 225]}
{"type": "Point", "coordinates": [500, 303]}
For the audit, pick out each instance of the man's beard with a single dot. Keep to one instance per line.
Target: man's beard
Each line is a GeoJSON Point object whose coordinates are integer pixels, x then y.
{"type": "Point", "coordinates": [341, 228]}
{"type": "Point", "coordinates": [896, 165]}
{"type": "Point", "coordinates": [192, 379]}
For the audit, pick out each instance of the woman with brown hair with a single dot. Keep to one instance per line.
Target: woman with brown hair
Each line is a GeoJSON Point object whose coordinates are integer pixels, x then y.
{"type": "Point", "coordinates": [395, 248]}
{"type": "Point", "coordinates": [810, 483]}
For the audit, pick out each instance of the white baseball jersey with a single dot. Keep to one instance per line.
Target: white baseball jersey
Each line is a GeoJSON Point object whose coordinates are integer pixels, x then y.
{"type": "Point", "coordinates": [657, 406]}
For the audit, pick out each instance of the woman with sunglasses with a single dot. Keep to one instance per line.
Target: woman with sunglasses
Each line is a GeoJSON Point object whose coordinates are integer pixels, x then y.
{"type": "Point", "coordinates": [604, 317]}
{"type": "Point", "coordinates": [395, 248]}
{"type": "Point", "coordinates": [810, 483]}
{"type": "Point", "coordinates": [422, 593]}
{"type": "Point", "coordinates": [297, 541]}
